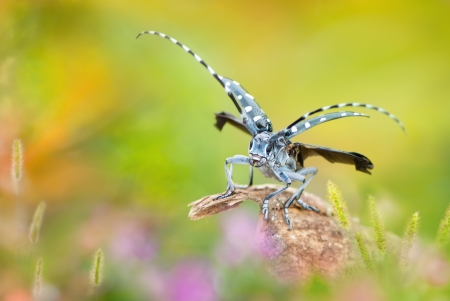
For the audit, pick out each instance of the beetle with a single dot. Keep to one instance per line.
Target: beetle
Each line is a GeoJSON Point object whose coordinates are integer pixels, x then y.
{"type": "Point", "coordinates": [272, 152]}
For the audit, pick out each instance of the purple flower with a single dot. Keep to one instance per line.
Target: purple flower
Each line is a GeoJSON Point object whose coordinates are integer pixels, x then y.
{"type": "Point", "coordinates": [191, 281]}
{"type": "Point", "coordinates": [133, 241]}
{"type": "Point", "coordinates": [238, 243]}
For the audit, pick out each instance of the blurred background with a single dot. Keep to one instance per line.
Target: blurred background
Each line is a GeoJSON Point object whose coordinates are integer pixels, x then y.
{"type": "Point", "coordinates": [119, 137]}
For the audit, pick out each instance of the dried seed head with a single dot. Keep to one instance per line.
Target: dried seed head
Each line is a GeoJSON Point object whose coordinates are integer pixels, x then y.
{"type": "Point", "coordinates": [97, 268]}
{"type": "Point", "coordinates": [35, 226]}
{"type": "Point", "coordinates": [16, 160]}
{"type": "Point", "coordinates": [378, 226]}
{"type": "Point", "coordinates": [38, 277]}
{"type": "Point", "coordinates": [443, 235]}
{"type": "Point", "coordinates": [410, 234]}
{"type": "Point", "coordinates": [339, 204]}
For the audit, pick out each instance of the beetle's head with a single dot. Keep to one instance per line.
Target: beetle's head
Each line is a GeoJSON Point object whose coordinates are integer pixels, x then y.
{"type": "Point", "coordinates": [265, 146]}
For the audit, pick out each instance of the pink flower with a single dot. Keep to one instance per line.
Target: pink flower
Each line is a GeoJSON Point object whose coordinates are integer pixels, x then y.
{"type": "Point", "coordinates": [133, 241]}
{"type": "Point", "coordinates": [191, 281]}
{"type": "Point", "coordinates": [238, 243]}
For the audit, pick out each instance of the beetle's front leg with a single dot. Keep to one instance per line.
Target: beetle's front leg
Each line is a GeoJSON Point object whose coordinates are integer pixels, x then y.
{"type": "Point", "coordinates": [231, 187]}
{"type": "Point", "coordinates": [265, 207]}
{"type": "Point", "coordinates": [250, 181]}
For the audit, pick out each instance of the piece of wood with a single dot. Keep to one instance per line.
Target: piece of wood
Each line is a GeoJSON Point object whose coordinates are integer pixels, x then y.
{"type": "Point", "coordinates": [317, 244]}
{"type": "Point", "coordinates": [206, 206]}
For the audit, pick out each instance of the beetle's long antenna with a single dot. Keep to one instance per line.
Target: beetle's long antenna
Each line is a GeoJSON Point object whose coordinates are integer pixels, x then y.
{"type": "Point", "coordinates": [305, 125]}
{"type": "Point", "coordinates": [350, 104]}
{"type": "Point", "coordinates": [199, 59]}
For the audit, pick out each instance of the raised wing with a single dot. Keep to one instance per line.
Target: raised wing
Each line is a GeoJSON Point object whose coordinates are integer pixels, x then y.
{"type": "Point", "coordinates": [223, 117]}
{"type": "Point", "coordinates": [253, 117]}
{"type": "Point", "coordinates": [299, 127]}
{"type": "Point", "coordinates": [302, 151]}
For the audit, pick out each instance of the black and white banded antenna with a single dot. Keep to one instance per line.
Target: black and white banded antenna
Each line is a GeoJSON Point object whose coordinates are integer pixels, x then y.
{"type": "Point", "coordinates": [349, 104]}
{"type": "Point", "coordinates": [200, 60]}
{"type": "Point", "coordinates": [307, 124]}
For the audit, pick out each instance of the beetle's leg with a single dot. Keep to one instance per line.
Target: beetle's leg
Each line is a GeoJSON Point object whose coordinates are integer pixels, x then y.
{"type": "Point", "coordinates": [312, 171]}
{"type": "Point", "coordinates": [250, 181]}
{"type": "Point", "coordinates": [231, 187]}
{"type": "Point", "coordinates": [265, 207]}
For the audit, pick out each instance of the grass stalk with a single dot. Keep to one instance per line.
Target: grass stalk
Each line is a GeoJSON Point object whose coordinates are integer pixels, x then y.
{"type": "Point", "coordinates": [443, 234]}
{"type": "Point", "coordinates": [378, 226]}
{"type": "Point", "coordinates": [339, 204]}
{"type": "Point", "coordinates": [364, 252]}
{"type": "Point", "coordinates": [96, 275]}
{"type": "Point", "coordinates": [410, 235]}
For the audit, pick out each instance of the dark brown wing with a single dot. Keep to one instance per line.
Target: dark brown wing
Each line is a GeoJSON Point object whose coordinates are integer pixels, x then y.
{"type": "Point", "coordinates": [304, 151]}
{"type": "Point", "coordinates": [223, 117]}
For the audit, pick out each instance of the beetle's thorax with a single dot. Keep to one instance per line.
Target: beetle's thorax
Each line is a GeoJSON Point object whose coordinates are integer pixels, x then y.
{"type": "Point", "coordinates": [268, 148]}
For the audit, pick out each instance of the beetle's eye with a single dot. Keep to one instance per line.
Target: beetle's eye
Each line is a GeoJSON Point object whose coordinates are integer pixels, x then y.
{"type": "Point", "coordinates": [269, 148]}
{"type": "Point", "coordinates": [251, 143]}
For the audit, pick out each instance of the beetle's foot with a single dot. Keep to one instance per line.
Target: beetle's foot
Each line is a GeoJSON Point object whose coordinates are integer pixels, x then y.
{"type": "Point", "coordinates": [287, 219]}
{"type": "Point", "coordinates": [222, 196]}
{"type": "Point", "coordinates": [265, 210]}
{"type": "Point", "coordinates": [307, 207]}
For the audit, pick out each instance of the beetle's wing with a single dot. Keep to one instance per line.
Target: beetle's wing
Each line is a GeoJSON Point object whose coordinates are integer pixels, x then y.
{"type": "Point", "coordinates": [223, 117]}
{"type": "Point", "coordinates": [302, 151]}
{"type": "Point", "coordinates": [304, 125]}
